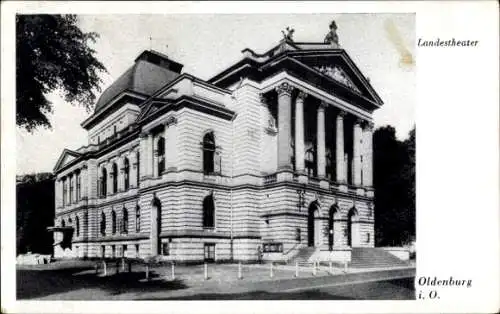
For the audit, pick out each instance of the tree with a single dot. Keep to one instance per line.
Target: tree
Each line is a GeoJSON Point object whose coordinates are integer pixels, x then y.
{"type": "Point", "coordinates": [394, 182]}
{"type": "Point", "coordinates": [52, 53]}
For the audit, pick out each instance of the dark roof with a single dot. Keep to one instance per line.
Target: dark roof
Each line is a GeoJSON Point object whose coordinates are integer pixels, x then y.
{"type": "Point", "coordinates": [150, 72]}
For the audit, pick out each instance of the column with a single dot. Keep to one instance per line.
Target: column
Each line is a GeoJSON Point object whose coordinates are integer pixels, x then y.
{"type": "Point", "coordinates": [84, 186]}
{"type": "Point", "coordinates": [341, 178]}
{"type": "Point", "coordinates": [284, 126]}
{"type": "Point", "coordinates": [121, 176]}
{"type": "Point", "coordinates": [368, 155]}
{"type": "Point", "coordinates": [357, 140]}
{"type": "Point", "coordinates": [320, 138]}
{"type": "Point", "coordinates": [109, 181]}
{"type": "Point", "coordinates": [299, 133]}
{"type": "Point", "coordinates": [58, 189]}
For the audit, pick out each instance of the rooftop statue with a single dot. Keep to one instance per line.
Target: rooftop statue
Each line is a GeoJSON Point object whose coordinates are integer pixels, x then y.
{"type": "Point", "coordinates": [288, 35]}
{"type": "Point", "coordinates": [332, 38]}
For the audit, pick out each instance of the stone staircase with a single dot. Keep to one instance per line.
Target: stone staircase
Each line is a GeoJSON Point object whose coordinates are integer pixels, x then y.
{"type": "Point", "coordinates": [303, 255]}
{"type": "Point", "coordinates": [374, 258]}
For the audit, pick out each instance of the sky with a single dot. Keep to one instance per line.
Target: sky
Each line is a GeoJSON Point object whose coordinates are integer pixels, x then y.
{"type": "Point", "coordinates": [381, 45]}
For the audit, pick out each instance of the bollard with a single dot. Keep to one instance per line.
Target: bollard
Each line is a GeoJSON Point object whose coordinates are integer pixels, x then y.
{"type": "Point", "coordinates": [240, 276]}
{"type": "Point", "coordinates": [296, 269]}
{"type": "Point", "coordinates": [117, 265]}
{"type": "Point", "coordinates": [123, 264]}
{"type": "Point", "coordinates": [129, 266]}
{"type": "Point", "coordinates": [147, 272]}
{"type": "Point", "coordinates": [314, 268]}
{"type": "Point", "coordinates": [345, 266]}
{"type": "Point", "coordinates": [173, 271]}
{"type": "Point", "coordinates": [96, 268]}
{"type": "Point", "coordinates": [271, 271]}
{"type": "Point", "coordinates": [330, 267]}
{"type": "Point", "coordinates": [105, 268]}
{"type": "Point", "coordinates": [206, 271]}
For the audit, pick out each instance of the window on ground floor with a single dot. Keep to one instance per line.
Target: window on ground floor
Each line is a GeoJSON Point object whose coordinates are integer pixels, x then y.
{"type": "Point", "coordinates": [165, 249]}
{"type": "Point", "coordinates": [103, 251]}
{"type": "Point", "coordinates": [209, 252]}
{"type": "Point", "coordinates": [113, 251]}
{"type": "Point", "coordinates": [124, 250]}
{"type": "Point", "coordinates": [137, 250]}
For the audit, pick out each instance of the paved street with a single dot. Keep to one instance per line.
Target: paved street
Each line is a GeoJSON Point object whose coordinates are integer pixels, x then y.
{"type": "Point", "coordinates": [78, 281]}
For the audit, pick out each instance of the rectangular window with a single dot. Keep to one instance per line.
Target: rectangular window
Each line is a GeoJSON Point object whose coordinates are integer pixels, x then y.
{"type": "Point", "coordinates": [103, 251]}
{"type": "Point", "coordinates": [209, 253]}
{"type": "Point", "coordinates": [78, 187]}
{"type": "Point", "coordinates": [65, 191]}
{"type": "Point", "coordinates": [124, 250]}
{"type": "Point", "coordinates": [113, 252]}
{"type": "Point", "coordinates": [137, 250]}
{"type": "Point", "coordinates": [70, 190]}
{"type": "Point", "coordinates": [165, 249]}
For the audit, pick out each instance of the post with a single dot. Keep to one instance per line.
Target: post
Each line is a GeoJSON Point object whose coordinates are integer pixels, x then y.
{"type": "Point", "coordinates": [240, 276]}
{"type": "Point", "coordinates": [345, 266]}
{"type": "Point", "coordinates": [330, 267]}
{"type": "Point", "coordinates": [96, 269]}
{"type": "Point", "coordinates": [173, 271]}
{"type": "Point", "coordinates": [271, 271]}
{"type": "Point", "coordinates": [206, 271]}
{"type": "Point", "coordinates": [123, 264]}
{"type": "Point", "coordinates": [296, 269]}
{"type": "Point", "coordinates": [314, 268]}
{"type": "Point", "coordinates": [147, 272]}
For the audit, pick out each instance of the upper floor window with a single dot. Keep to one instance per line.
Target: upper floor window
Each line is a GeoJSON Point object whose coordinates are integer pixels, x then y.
{"type": "Point", "coordinates": [161, 155]}
{"type": "Point", "coordinates": [114, 174]}
{"type": "Point", "coordinates": [137, 218]}
{"type": "Point", "coordinates": [125, 220]}
{"type": "Point", "coordinates": [138, 157]}
{"type": "Point", "coordinates": [103, 224]}
{"type": "Point", "coordinates": [126, 174]}
{"type": "Point", "coordinates": [78, 186]}
{"type": "Point", "coordinates": [63, 223]}
{"type": "Point", "coordinates": [113, 222]}
{"type": "Point", "coordinates": [77, 226]}
{"type": "Point", "coordinates": [309, 163]}
{"type": "Point", "coordinates": [210, 161]}
{"type": "Point", "coordinates": [65, 192]}
{"type": "Point", "coordinates": [208, 212]}
{"type": "Point", "coordinates": [71, 189]}
{"type": "Point", "coordinates": [104, 182]}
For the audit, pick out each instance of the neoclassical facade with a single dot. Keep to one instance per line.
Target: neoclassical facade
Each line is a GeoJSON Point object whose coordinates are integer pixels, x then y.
{"type": "Point", "coordinates": [270, 156]}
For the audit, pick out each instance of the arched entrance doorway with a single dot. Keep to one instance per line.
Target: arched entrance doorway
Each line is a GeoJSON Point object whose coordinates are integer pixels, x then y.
{"type": "Point", "coordinates": [313, 225]}
{"type": "Point", "coordinates": [155, 225]}
{"type": "Point", "coordinates": [351, 226]}
{"type": "Point", "coordinates": [331, 226]}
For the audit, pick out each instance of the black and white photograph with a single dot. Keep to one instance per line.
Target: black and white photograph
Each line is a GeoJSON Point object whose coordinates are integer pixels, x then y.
{"type": "Point", "coordinates": [216, 163]}
{"type": "Point", "coordinates": [164, 156]}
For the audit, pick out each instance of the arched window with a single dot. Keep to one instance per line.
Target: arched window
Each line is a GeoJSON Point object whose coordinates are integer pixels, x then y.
{"type": "Point", "coordinates": [161, 155]}
{"type": "Point", "coordinates": [77, 225]}
{"type": "Point", "coordinates": [113, 222]}
{"type": "Point", "coordinates": [125, 220]}
{"type": "Point", "coordinates": [103, 224]}
{"type": "Point", "coordinates": [126, 173]}
{"type": "Point", "coordinates": [208, 153]}
{"type": "Point", "coordinates": [63, 223]}
{"type": "Point", "coordinates": [208, 212]}
{"type": "Point", "coordinates": [137, 219]}
{"type": "Point", "coordinates": [114, 174]}
{"type": "Point", "coordinates": [104, 182]}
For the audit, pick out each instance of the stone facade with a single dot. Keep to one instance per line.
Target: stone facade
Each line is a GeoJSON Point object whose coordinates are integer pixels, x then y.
{"type": "Point", "coordinates": [269, 156]}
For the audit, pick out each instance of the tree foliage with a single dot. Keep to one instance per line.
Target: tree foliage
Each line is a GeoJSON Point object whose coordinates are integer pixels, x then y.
{"type": "Point", "coordinates": [394, 181]}
{"type": "Point", "coordinates": [35, 212]}
{"type": "Point", "coordinates": [52, 53]}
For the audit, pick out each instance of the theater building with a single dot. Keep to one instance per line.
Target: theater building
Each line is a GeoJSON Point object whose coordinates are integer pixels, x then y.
{"type": "Point", "coordinates": [267, 159]}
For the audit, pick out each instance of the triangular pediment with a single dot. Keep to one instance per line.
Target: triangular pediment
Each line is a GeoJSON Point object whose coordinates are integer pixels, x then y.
{"type": "Point", "coordinates": [336, 65]}
{"type": "Point", "coordinates": [66, 157]}
{"type": "Point", "coordinates": [153, 106]}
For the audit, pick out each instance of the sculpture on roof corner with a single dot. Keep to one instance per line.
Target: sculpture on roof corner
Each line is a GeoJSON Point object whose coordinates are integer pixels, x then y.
{"type": "Point", "coordinates": [332, 38]}
{"type": "Point", "coordinates": [288, 34]}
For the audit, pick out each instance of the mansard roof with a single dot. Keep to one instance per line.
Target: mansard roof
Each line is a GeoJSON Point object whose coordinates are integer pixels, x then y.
{"type": "Point", "coordinates": [326, 67]}
{"type": "Point", "coordinates": [151, 71]}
